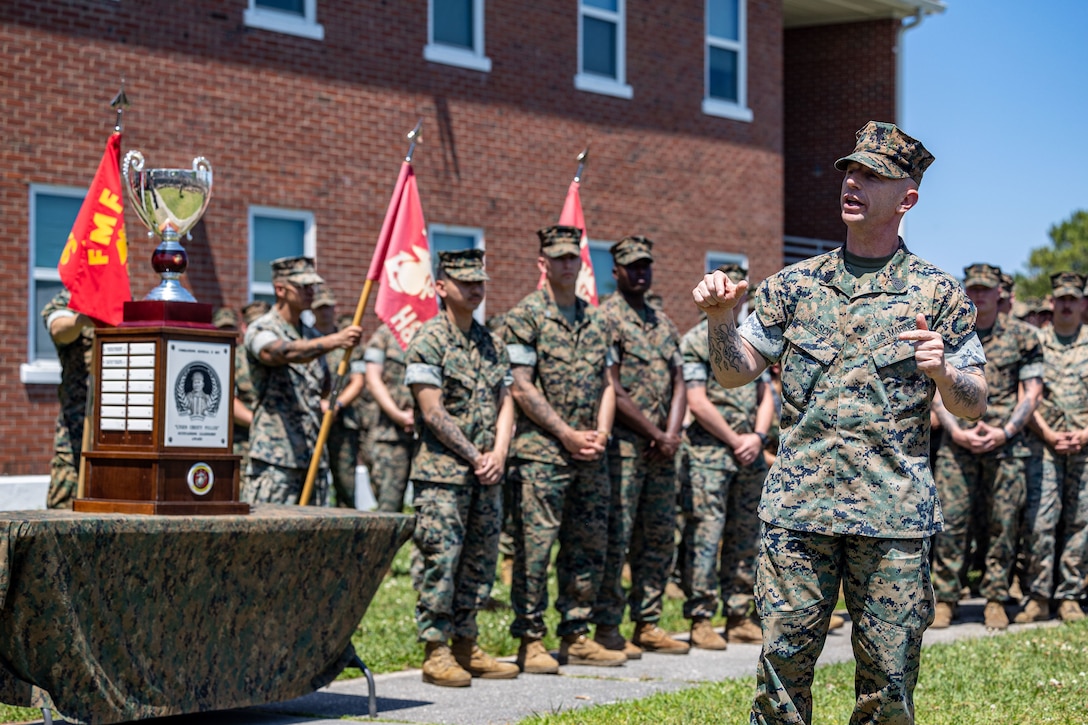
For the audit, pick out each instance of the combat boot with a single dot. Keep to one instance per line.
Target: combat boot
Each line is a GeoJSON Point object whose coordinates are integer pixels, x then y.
{"type": "Point", "coordinates": [609, 637]}
{"type": "Point", "coordinates": [652, 638]}
{"type": "Point", "coordinates": [533, 658]}
{"type": "Point", "coordinates": [506, 570]}
{"type": "Point", "coordinates": [942, 615]}
{"type": "Point", "coordinates": [1036, 610]}
{"type": "Point", "coordinates": [836, 622]}
{"type": "Point", "coordinates": [704, 636]}
{"type": "Point", "coordinates": [578, 649]}
{"type": "Point", "coordinates": [440, 668]}
{"type": "Point", "coordinates": [1070, 611]}
{"type": "Point", "coordinates": [479, 663]}
{"type": "Point", "coordinates": [743, 630]}
{"type": "Point", "coordinates": [994, 616]}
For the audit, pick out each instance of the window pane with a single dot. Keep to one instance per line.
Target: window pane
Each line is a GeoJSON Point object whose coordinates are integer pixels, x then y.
{"type": "Point", "coordinates": [612, 5]}
{"type": "Point", "coordinates": [43, 345]}
{"type": "Point", "coordinates": [723, 75]}
{"type": "Point", "coordinates": [602, 270]}
{"type": "Point", "coordinates": [296, 7]}
{"type": "Point", "coordinates": [599, 47]}
{"type": "Point", "coordinates": [274, 238]}
{"type": "Point", "coordinates": [448, 242]}
{"type": "Point", "coordinates": [453, 23]}
{"type": "Point", "coordinates": [722, 19]}
{"type": "Point", "coordinates": [53, 220]}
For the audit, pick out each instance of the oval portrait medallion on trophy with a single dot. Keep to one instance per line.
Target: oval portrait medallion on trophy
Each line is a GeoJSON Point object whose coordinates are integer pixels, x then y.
{"type": "Point", "coordinates": [197, 391]}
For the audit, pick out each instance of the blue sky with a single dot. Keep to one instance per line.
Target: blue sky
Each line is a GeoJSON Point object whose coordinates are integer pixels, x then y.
{"type": "Point", "coordinates": [996, 89]}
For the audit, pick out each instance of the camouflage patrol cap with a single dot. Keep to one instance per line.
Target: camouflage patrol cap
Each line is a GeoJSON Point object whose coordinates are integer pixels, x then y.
{"type": "Point", "coordinates": [296, 270]}
{"type": "Point", "coordinates": [1067, 284]}
{"type": "Point", "coordinates": [982, 275]}
{"type": "Point", "coordinates": [225, 317]}
{"type": "Point", "coordinates": [733, 271]}
{"type": "Point", "coordinates": [631, 249]}
{"type": "Point", "coordinates": [1022, 309]}
{"type": "Point", "coordinates": [323, 297]}
{"type": "Point", "coordinates": [255, 309]}
{"type": "Point", "coordinates": [559, 240]}
{"type": "Point", "coordinates": [1007, 283]}
{"type": "Point", "coordinates": [883, 148]}
{"type": "Point", "coordinates": [463, 265]}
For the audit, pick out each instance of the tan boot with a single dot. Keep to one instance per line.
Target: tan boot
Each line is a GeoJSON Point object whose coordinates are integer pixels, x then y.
{"type": "Point", "coordinates": [578, 649]}
{"type": "Point", "coordinates": [610, 637]}
{"type": "Point", "coordinates": [440, 668]}
{"type": "Point", "coordinates": [836, 622]}
{"type": "Point", "coordinates": [673, 591]}
{"type": "Point", "coordinates": [704, 636]}
{"type": "Point", "coordinates": [942, 615]}
{"type": "Point", "coordinates": [479, 663]}
{"type": "Point", "coordinates": [994, 616]}
{"type": "Point", "coordinates": [533, 658]}
{"type": "Point", "coordinates": [1070, 611]}
{"type": "Point", "coordinates": [1036, 610]}
{"type": "Point", "coordinates": [506, 570]}
{"type": "Point", "coordinates": [652, 638]}
{"type": "Point", "coordinates": [744, 630]}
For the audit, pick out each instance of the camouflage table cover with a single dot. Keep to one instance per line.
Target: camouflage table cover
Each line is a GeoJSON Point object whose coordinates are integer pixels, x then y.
{"type": "Point", "coordinates": [113, 617]}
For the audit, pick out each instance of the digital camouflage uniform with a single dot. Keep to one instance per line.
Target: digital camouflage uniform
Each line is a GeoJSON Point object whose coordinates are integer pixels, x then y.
{"type": "Point", "coordinates": [287, 420]}
{"type": "Point", "coordinates": [344, 440]}
{"type": "Point", "coordinates": [557, 497]}
{"type": "Point", "coordinates": [850, 497]}
{"type": "Point", "coordinates": [75, 377]}
{"type": "Point", "coordinates": [642, 523]}
{"type": "Point", "coordinates": [718, 495]}
{"type": "Point", "coordinates": [244, 391]}
{"type": "Point", "coordinates": [1061, 505]}
{"type": "Point", "coordinates": [389, 447]}
{"type": "Point", "coordinates": [994, 482]}
{"type": "Point", "coordinates": [458, 519]}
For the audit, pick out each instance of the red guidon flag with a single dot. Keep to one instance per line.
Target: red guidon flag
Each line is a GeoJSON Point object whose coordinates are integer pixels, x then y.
{"type": "Point", "coordinates": [571, 216]}
{"type": "Point", "coordinates": [94, 263]}
{"type": "Point", "coordinates": [402, 263]}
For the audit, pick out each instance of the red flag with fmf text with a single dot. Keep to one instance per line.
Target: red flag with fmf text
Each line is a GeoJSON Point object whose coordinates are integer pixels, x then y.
{"type": "Point", "coordinates": [94, 263]}
{"type": "Point", "coordinates": [571, 216]}
{"type": "Point", "coordinates": [402, 263]}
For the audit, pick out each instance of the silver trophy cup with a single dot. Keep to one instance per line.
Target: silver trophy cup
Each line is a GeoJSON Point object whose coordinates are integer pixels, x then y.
{"type": "Point", "coordinates": [169, 202]}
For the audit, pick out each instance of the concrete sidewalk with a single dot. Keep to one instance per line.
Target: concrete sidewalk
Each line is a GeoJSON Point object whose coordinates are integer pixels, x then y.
{"type": "Point", "coordinates": [402, 696]}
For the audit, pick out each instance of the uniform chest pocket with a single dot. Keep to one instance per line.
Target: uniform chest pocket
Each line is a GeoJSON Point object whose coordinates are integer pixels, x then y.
{"type": "Point", "coordinates": [1002, 370]}
{"type": "Point", "coordinates": [806, 359]}
{"type": "Point", "coordinates": [460, 388]}
{"type": "Point", "coordinates": [904, 387]}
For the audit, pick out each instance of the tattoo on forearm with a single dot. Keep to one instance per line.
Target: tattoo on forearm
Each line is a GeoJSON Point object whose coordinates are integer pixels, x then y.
{"type": "Point", "coordinates": [446, 430]}
{"type": "Point", "coordinates": [726, 349]}
{"type": "Point", "coordinates": [1026, 406]}
{"type": "Point", "coordinates": [965, 390]}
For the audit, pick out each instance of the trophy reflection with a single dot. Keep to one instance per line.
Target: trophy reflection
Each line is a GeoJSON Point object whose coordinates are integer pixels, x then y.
{"type": "Point", "coordinates": [169, 202]}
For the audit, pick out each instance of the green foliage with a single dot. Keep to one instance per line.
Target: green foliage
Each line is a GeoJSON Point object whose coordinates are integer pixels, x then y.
{"type": "Point", "coordinates": [1068, 253]}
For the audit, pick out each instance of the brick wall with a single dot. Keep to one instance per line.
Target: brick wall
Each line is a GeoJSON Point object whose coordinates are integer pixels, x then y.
{"type": "Point", "coordinates": [295, 123]}
{"type": "Point", "coordinates": [837, 77]}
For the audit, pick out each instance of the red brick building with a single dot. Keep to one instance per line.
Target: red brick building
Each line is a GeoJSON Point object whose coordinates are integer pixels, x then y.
{"type": "Point", "coordinates": [712, 127]}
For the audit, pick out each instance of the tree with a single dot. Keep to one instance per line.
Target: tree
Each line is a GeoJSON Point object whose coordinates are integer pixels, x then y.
{"type": "Point", "coordinates": [1069, 252]}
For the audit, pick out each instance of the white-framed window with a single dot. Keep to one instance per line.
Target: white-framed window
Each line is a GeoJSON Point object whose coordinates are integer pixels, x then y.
{"type": "Point", "coordinates": [291, 17]}
{"type": "Point", "coordinates": [53, 211]}
{"type": "Point", "coordinates": [726, 62]}
{"type": "Point", "coordinates": [275, 233]}
{"type": "Point", "coordinates": [448, 238]}
{"type": "Point", "coordinates": [455, 34]}
{"type": "Point", "coordinates": [601, 257]}
{"type": "Point", "coordinates": [602, 48]}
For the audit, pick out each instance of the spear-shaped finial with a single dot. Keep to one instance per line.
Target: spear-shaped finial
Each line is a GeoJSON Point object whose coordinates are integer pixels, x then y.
{"type": "Point", "coordinates": [582, 159]}
{"type": "Point", "coordinates": [120, 102]}
{"type": "Point", "coordinates": [414, 136]}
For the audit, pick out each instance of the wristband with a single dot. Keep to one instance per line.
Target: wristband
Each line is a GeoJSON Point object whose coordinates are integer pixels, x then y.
{"type": "Point", "coordinates": [762, 437]}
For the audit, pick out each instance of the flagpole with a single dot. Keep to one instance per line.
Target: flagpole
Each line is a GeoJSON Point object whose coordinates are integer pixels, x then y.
{"type": "Point", "coordinates": [582, 159]}
{"type": "Point", "coordinates": [414, 137]}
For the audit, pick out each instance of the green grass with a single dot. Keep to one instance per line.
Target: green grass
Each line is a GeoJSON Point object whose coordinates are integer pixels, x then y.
{"type": "Point", "coordinates": [1032, 677]}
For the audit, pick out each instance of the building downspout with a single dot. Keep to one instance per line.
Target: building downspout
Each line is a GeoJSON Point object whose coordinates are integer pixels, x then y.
{"type": "Point", "coordinates": [909, 22]}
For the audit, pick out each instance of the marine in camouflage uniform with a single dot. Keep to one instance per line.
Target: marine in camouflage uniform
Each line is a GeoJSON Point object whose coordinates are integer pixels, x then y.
{"type": "Point", "coordinates": [985, 465]}
{"type": "Point", "coordinates": [74, 354]}
{"type": "Point", "coordinates": [459, 377]}
{"type": "Point", "coordinates": [719, 492]}
{"type": "Point", "coordinates": [245, 397]}
{"type": "Point", "coordinates": [287, 363]}
{"type": "Point", "coordinates": [1059, 501]}
{"type": "Point", "coordinates": [559, 358]}
{"type": "Point", "coordinates": [650, 406]}
{"type": "Point", "coordinates": [390, 438]}
{"type": "Point", "coordinates": [343, 442]}
{"type": "Point", "coordinates": [865, 334]}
